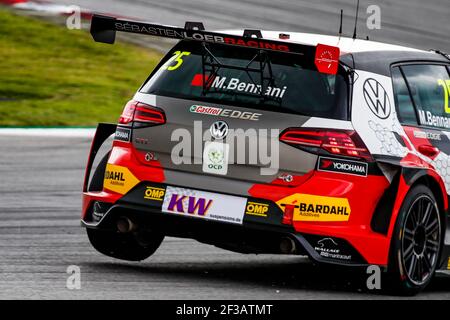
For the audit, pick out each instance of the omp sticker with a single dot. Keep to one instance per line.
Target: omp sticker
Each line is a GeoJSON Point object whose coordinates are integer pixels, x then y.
{"type": "Point", "coordinates": [119, 179]}
{"type": "Point", "coordinates": [154, 193]}
{"type": "Point", "coordinates": [257, 209]}
{"type": "Point", "coordinates": [317, 208]}
{"type": "Point", "coordinates": [204, 205]}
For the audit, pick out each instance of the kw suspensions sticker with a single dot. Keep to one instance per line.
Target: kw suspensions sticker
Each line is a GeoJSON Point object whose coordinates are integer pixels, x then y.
{"type": "Point", "coordinates": [317, 208]}
{"type": "Point", "coordinates": [204, 205]}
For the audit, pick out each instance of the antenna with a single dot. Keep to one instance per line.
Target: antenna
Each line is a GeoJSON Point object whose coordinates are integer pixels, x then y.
{"type": "Point", "coordinates": [340, 23]}
{"type": "Point", "coordinates": [356, 20]}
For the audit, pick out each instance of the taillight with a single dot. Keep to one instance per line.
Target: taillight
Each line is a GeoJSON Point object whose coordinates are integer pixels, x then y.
{"type": "Point", "coordinates": [339, 142]}
{"type": "Point", "coordinates": [141, 112]}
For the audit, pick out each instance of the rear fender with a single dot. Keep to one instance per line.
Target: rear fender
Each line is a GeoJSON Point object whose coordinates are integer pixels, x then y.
{"type": "Point", "coordinates": [103, 132]}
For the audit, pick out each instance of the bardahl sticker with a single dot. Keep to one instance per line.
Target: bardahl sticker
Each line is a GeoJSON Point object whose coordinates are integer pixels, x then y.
{"type": "Point", "coordinates": [317, 208]}
{"type": "Point", "coordinates": [119, 179]}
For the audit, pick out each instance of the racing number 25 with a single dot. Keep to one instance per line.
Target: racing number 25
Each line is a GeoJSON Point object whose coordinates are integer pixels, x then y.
{"type": "Point", "coordinates": [178, 58]}
{"type": "Point", "coordinates": [446, 85]}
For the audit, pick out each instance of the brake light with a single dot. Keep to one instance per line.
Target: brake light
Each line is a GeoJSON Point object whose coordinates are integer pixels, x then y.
{"type": "Point", "coordinates": [141, 112]}
{"type": "Point", "coordinates": [339, 142]}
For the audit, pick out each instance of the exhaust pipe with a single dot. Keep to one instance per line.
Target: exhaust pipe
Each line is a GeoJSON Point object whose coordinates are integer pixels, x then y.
{"type": "Point", "coordinates": [288, 246]}
{"type": "Point", "coordinates": [125, 225]}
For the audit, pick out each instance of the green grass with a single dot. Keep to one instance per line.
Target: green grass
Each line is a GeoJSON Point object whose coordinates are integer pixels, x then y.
{"type": "Point", "coordinates": [52, 76]}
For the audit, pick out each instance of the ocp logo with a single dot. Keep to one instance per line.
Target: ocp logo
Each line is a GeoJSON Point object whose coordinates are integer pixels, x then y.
{"type": "Point", "coordinates": [257, 209]}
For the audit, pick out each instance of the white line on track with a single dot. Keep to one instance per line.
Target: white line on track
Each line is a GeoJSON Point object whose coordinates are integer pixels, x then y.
{"type": "Point", "coordinates": [49, 132]}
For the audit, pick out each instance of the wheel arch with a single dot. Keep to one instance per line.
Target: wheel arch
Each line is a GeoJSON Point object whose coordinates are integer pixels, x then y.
{"type": "Point", "coordinates": [411, 177]}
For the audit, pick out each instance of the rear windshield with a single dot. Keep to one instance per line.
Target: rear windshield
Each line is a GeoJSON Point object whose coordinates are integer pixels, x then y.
{"type": "Point", "coordinates": [249, 78]}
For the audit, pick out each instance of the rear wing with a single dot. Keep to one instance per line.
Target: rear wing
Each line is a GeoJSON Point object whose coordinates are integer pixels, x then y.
{"type": "Point", "coordinates": [104, 28]}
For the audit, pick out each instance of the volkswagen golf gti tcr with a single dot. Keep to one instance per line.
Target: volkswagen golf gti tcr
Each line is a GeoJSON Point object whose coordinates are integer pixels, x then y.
{"type": "Point", "coordinates": [279, 143]}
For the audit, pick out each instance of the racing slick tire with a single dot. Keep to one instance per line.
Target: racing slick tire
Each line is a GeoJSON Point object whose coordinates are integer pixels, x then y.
{"type": "Point", "coordinates": [416, 243]}
{"type": "Point", "coordinates": [132, 246]}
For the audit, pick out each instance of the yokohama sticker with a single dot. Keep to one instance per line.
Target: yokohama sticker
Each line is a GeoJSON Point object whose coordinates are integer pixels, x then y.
{"type": "Point", "coordinates": [342, 166]}
{"type": "Point", "coordinates": [122, 134]}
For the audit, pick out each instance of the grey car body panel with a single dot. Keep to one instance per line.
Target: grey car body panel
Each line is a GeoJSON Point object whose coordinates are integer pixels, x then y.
{"type": "Point", "coordinates": [292, 160]}
{"type": "Point", "coordinates": [211, 183]}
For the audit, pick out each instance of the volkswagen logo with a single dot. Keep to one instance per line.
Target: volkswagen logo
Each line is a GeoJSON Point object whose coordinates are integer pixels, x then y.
{"type": "Point", "coordinates": [377, 98]}
{"type": "Point", "coordinates": [219, 130]}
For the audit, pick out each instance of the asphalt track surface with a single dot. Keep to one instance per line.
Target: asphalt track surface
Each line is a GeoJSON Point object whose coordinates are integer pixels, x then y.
{"type": "Point", "coordinates": [41, 180]}
{"type": "Point", "coordinates": [40, 237]}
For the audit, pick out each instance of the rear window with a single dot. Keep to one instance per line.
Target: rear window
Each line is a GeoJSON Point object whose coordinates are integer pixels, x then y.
{"type": "Point", "coordinates": [250, 78]}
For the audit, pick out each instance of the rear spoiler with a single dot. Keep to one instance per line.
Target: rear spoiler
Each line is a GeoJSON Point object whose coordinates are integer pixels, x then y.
{"type": "Point", "coordinates": [104, 28]}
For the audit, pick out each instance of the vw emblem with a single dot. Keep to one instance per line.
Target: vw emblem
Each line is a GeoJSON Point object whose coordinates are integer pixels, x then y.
{"type": "Point", "coordinates": [377, 98]}
{"type": "Point", "coordinates": [219, 130]}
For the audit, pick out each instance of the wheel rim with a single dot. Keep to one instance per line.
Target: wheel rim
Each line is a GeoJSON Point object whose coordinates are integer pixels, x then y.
{"type": "Point", "coordinates": [421, 240]}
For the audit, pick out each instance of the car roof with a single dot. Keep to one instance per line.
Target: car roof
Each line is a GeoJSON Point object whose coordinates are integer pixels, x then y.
{"type": "Point", "coordinates": [367, 55]}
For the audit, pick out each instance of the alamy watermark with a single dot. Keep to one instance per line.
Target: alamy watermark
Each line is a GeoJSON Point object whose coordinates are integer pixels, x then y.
{"type": "Point", "coordinates": [73, 281]}
{"type": "Point", "coordinates": [238, 146]}
{"type": "Point", "coordinates": [73, 21]}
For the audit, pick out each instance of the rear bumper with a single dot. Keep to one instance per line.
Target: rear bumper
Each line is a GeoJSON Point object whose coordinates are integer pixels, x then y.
{"type": "Point", "coordinates": [348, 243]}
{"type": "Point", "coordinates": [254, 235]}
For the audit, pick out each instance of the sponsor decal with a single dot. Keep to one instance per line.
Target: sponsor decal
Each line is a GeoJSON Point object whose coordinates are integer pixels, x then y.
{"type": "Point", "coordinates": [158, 30]}
{"type": "Point", "coordinates": [119, 179]}
{"type": "Point", "coordinates": [314, 208]}
{"type": "Point", "coordinates": [199, 206]}
{"type": "Point", "coordinates": [204, 205]}
{"type": "Point", "coordinates": [377, 98]}
{"type": "Point", "coordinates": [329, 248]}
{"type": "Point", "coordinates": [428, 119]}
{"type": "Point", "coordinates": [427, 135]}
{"type": "Point", "coordinates": [256, 209]}
{"type": "Point", "coordinates": [327, 59]}
{"type": "Point", "coordinates": [228, 113]}
{"type": "Point", "coordinates": [215, 158]}
{"type": "Point", "coordinates": [235, 84]}
{"type": "Point", "coordinates": [154, 193]}
{"type": "Point", "coordinates": [122, 134]}
{"type": "Point", "coordinates": [342, 166]}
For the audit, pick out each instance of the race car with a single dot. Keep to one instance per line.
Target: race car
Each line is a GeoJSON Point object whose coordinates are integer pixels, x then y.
{"type": "Point", "coordinates": [279, 143]}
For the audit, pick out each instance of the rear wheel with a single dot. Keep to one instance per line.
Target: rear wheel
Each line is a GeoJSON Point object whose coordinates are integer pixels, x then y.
{"type": "Point", "coordinates": [416, 242]}
{"type": "Point", "coordinates": [132, 246]}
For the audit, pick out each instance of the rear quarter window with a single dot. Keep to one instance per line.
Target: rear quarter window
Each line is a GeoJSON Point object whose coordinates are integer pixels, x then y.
{"type": "Point", "coordinates": [430, 89]}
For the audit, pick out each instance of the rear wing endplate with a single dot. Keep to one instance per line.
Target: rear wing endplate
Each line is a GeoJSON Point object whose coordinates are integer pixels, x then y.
{"type": "Point", "coordinates": [104, 28]}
